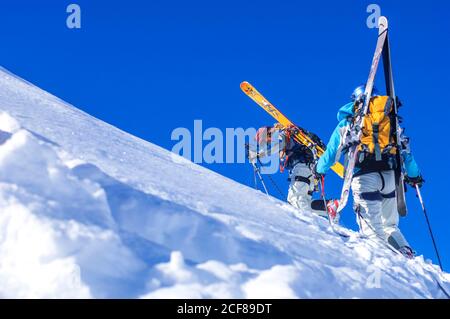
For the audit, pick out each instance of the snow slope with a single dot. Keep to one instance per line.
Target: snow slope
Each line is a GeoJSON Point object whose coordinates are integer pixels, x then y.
{"type": "Point", "coordinates": [87, 210]}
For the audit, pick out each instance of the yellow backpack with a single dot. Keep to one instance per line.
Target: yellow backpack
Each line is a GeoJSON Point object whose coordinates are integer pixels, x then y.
{"type": "Point", "coordinates": [377, 137]}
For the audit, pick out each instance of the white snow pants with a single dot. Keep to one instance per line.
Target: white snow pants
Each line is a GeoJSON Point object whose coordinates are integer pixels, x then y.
{"type": "Point", "coordinates": [300, 192]}
{"type": "Point", "coordinates": [374, 198]}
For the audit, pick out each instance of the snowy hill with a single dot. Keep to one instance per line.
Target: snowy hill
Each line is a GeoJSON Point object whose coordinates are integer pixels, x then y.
{"type": "Point", "coordinates": [87, 210]}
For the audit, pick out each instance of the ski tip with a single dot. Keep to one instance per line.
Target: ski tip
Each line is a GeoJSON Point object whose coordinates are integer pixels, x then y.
{"type": "Point", "coordinates": [382, 23]}
{"type": "Point", "coordinates": [245, 86]}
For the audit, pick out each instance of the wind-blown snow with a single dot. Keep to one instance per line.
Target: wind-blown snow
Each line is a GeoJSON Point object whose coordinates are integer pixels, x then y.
{"type": "Point", "coordinates": [87, 210]}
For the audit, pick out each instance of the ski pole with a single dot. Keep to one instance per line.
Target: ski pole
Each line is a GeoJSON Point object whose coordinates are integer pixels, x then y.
{"type": "Point", "coordinates": [273, 182]}
{"type": "Point", "coordinates": [260, 177]}
{"type": "Point", "coordinates": [419, 195]}
{"type": "Point", "coordinates": [255, 169]}
{"type": "Point", "coordinates": [276, 186]}
{"type": "Point", "coordinates": [254, 178]}
{"type": "Point", "coordinates": [322, 193]}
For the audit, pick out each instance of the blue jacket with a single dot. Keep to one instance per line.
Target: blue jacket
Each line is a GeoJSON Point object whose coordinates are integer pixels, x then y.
{"type": "Point", "coordinates": [334, 146]}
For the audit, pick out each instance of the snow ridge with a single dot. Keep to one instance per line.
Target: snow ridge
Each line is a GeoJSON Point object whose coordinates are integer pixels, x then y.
{"type": "Point", "coordinates": [89, 211]}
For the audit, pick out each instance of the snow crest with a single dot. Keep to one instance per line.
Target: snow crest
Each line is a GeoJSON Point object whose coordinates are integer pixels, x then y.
{"type": "Point", "coordinates": [89, 211]}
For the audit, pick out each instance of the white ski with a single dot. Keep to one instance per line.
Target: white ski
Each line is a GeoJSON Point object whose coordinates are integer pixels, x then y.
{"type": "Point", "coordinates": [358, 122]}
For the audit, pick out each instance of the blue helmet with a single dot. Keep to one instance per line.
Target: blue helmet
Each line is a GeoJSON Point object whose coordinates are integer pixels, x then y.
{"type": "Point", "coordinates": [360, 90]}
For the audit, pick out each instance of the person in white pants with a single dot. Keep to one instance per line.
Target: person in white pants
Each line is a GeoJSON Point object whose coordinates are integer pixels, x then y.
{"type": "Point", "coordinates": [301, 188]}
{"type": "Point", "coordinates": [373, 183]}
{"type": "Point", "coordinates": [376, 206]}
{"type": "Point", "coordinates": [297, 159]}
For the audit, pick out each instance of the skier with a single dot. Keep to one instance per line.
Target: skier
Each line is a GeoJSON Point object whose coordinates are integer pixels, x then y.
{"type": "Point", "coordinates": [373, 183]}
{"type": "Point", "coordinates": [298, 160]}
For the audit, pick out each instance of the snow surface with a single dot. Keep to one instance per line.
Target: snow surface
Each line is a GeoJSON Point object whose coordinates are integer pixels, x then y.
{"type": "Point", "coordinates": [89, 211]}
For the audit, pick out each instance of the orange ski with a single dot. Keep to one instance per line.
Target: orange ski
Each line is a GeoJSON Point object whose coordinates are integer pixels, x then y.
{"type": "Point", "coordinates": [300, 137]}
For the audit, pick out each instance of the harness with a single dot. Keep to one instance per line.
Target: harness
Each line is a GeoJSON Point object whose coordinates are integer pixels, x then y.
{"type": "Point", "coordinates": [303, 179]}
{"type": "Point", "coordinates": [284, 153]}
{"type": "Point", "coordinates": [293, 152]}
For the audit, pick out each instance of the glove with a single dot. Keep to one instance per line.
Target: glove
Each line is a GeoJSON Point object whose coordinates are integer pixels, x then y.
{"type": "Point", "coordinates": [404, 142]}
{"type": "Point", "coordinates": [413, 181]}
{"type": "Point", "coordinates": [252, 156]}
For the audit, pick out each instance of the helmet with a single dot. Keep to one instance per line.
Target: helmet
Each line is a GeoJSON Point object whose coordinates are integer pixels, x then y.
{"type": "Point", "coordinates": [360, 90]}
{"type": "Point", "coordinates": [264, 135]}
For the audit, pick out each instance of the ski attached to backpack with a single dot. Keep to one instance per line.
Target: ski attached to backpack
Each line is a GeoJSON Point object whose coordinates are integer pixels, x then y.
{"type": "Point", "coordinates": [300, 136]}
{"type": "Point", "coordinates": [399, 172]}
{"type": "Point", "coordinates": [361, 110]}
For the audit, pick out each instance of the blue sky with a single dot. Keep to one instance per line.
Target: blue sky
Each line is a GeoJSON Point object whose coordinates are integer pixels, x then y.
{"type": "Point", "coordinates": [148, 67]}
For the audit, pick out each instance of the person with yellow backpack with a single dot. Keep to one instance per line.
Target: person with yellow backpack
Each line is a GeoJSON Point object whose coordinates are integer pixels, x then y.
{"type": "Point", "coordinates": [373, 183]}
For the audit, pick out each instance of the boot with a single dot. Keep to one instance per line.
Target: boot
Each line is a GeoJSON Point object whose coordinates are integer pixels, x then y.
{"type": "Point", "coordinates": [332, 207]}
{"type": "Point", "coordinates": [407, 252]}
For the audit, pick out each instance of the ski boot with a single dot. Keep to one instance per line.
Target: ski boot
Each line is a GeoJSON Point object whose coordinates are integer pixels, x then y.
{"type": "Point", "coordinates": [332, 207]}
{"type": "Point", "coordinates": [407, 252]}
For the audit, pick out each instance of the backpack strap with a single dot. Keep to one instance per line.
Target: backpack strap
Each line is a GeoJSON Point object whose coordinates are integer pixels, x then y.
{"type": "Point", "coordinates": [284, 153]}
{"type": "Point", "coordinates": [387, 106]}
{"type": "Point", "coordinates": [375, 135]}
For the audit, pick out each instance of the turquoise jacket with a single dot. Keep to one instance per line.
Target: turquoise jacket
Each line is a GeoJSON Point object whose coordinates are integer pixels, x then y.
{"type": "Point", "coordinates": [334, 146]}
